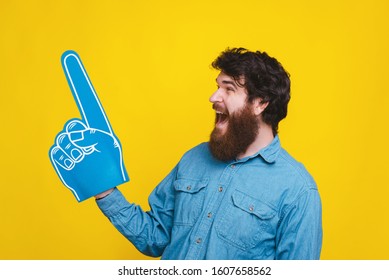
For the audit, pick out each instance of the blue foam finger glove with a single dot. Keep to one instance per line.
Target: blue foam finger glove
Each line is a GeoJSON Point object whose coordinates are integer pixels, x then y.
{"type": "Point", "coordinates": [87, 155]}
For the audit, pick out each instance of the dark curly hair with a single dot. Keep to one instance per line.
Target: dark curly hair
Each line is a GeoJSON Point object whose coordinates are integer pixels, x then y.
{"type": "Point", "coordinates": [264, 77]}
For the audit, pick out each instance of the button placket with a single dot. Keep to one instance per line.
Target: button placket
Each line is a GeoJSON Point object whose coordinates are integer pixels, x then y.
{"type": "Point", "coordinates": [207, 220]}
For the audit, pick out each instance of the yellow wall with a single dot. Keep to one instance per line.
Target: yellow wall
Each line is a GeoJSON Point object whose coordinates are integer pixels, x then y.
{"type": "Point", "coordinates": [149, 62]}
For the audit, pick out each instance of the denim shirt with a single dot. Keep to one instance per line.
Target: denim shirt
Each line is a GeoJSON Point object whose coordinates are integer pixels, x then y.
{"type": "Point", "coordinates": [265, 206]}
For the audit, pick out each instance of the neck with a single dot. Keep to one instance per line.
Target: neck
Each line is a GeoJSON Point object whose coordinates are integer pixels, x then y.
{"type": "Point", "coordinates": [264, 138]}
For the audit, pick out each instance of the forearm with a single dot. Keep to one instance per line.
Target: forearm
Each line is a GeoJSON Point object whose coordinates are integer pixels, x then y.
{"type": "Point", "coordinates": [144, 229]}
{"type": "Point", "coordinates": [104, 194]}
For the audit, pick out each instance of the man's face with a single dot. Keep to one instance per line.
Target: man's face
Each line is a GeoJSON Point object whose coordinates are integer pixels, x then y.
{"type": "Point", "coordinates": [227, 99]}
{"type": "Point", "coordinates": [236, 125]}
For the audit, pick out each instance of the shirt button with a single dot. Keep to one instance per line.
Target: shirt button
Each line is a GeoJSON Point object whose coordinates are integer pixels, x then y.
{"type": "Point", "coordinates": [251, 208]}
{"type": "Point", "coordinates": [198, 240]}
{"type": "Point", "coordinates": [188, 188]}
{"type": "Point", "coordinates": [220, 189]}
{"type": "Point", "coordinates": [209, 215]}
{"type": "Point", "coordinates": [232, 165]}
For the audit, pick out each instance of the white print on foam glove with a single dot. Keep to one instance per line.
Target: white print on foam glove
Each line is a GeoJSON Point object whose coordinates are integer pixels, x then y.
{"type": "Point", "coordinates": [87, 156]}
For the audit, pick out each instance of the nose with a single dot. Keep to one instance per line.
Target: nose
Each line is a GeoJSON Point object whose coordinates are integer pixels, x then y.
{"type": "Point", "coordinates": [216, 97]}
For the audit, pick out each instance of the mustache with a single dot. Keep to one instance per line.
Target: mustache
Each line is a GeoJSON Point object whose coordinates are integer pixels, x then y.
{"type": "Point", "coordinates": [219, 108]}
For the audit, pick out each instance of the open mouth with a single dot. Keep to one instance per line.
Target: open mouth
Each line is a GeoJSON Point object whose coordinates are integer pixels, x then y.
{"type": "Point", "coordinates": [221, 117]}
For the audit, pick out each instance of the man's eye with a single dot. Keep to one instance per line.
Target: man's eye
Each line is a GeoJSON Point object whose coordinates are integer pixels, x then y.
{"type": "Point", "coordinates": [230, 89]}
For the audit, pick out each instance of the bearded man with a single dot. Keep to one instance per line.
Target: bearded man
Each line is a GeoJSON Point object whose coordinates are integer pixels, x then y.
{"type": "Point", "coordinates": [240, 196]}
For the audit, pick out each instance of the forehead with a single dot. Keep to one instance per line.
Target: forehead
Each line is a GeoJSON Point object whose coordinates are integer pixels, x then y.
{"type": "Point", "coordinates": [223, 78]}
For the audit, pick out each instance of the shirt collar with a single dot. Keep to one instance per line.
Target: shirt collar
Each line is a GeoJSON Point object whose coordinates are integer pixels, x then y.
{"type": "Point", "coordinates": [269, 153]}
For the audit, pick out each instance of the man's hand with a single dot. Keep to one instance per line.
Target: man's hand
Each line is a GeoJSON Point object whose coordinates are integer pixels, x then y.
{"type": "Point", "coordinates": [86, 155]}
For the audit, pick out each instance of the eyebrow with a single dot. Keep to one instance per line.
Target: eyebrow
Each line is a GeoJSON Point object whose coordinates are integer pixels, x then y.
{"type": "Point", "coordinates": [226, 82]}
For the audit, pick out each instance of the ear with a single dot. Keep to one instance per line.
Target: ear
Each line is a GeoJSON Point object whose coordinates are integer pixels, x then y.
{"type": "Point", "coordinates": [259, 106]}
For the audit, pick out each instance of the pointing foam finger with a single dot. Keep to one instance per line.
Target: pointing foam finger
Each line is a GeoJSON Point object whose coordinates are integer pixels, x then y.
{"type": "Point", "coordinates": [84, 94]}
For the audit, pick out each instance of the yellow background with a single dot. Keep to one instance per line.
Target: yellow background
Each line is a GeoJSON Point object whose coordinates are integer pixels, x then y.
{"type": "Point", "coordinates": [150, 64]}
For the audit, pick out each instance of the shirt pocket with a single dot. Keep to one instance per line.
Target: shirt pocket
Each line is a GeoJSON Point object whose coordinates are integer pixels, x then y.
{"type": "Point", "coordinates": [246, 221]}
{"type": "Point", "coordinates": [189, 200]}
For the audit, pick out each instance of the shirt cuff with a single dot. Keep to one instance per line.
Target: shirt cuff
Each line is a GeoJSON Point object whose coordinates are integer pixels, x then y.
{"type": "Point", "coordinates": [111, 204]}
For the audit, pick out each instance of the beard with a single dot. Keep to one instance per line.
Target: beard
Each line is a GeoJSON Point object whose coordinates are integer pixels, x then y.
{"type": "Point", "coordinates": [242, 130]}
